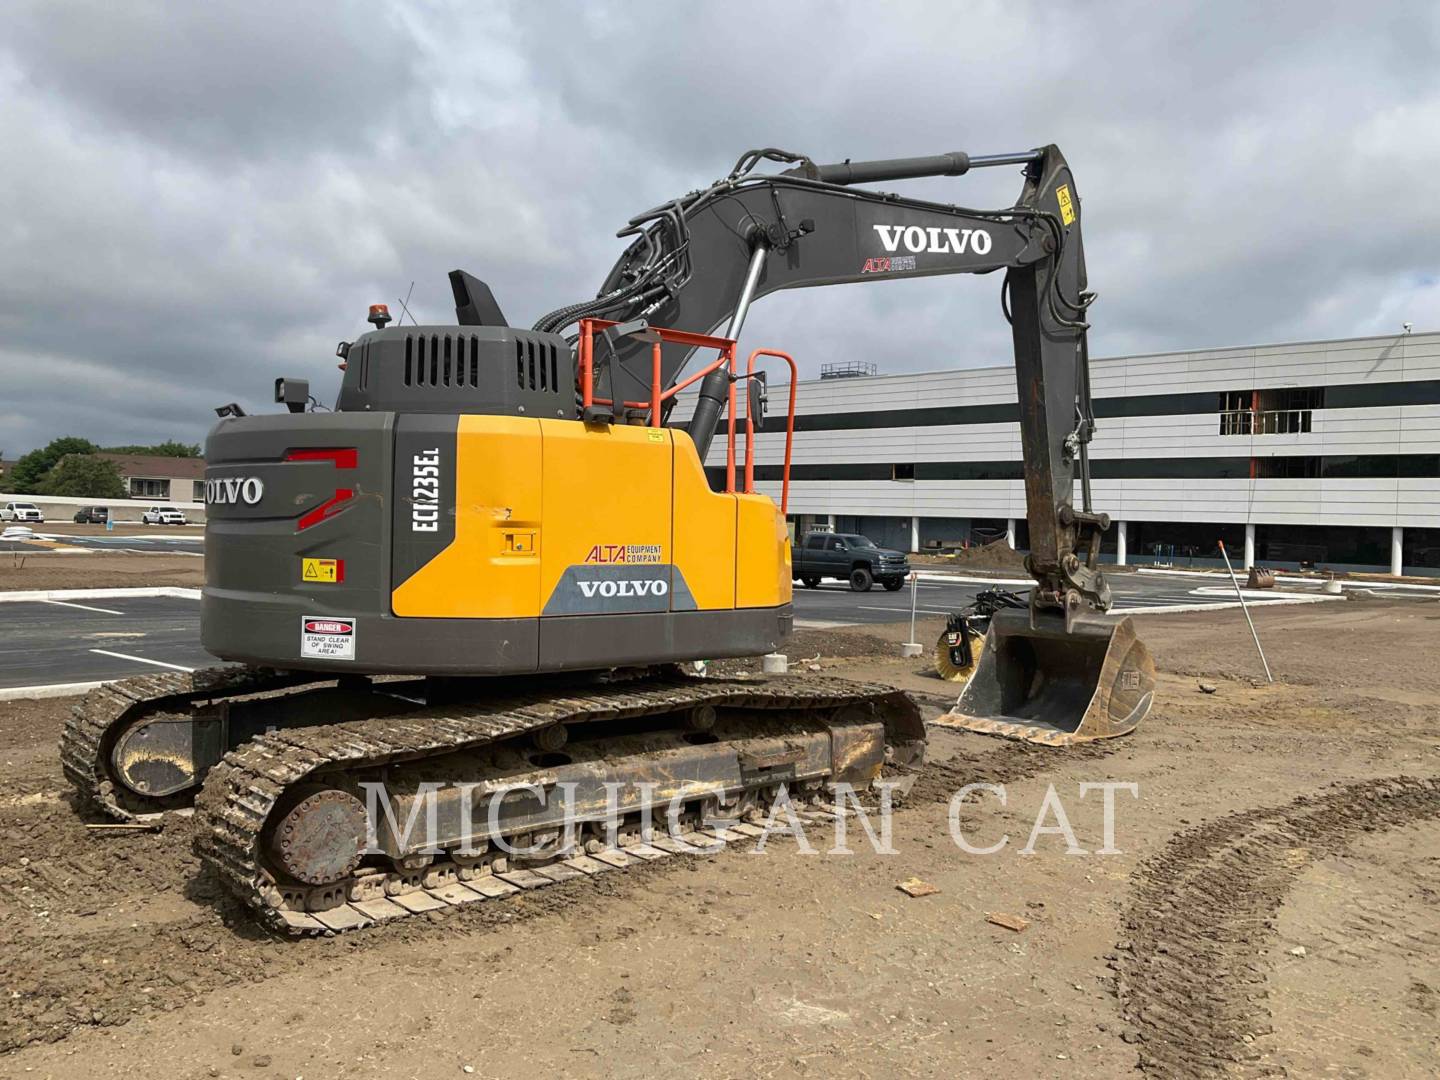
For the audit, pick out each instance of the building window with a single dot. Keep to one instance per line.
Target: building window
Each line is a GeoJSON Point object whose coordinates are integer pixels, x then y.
{"type": "Point", "coordinates": [902, 472]}
{"type": "Point", "coordinates": [1287, 468]}
{"type": "Point", "coordinates": [198, 492]}
{"type": "Point", "coordinates": [1236, 412]}
{"type": "Point", "coordinates": [145, 488]}
{"type": "Point", "coordinates": [1270, 412]}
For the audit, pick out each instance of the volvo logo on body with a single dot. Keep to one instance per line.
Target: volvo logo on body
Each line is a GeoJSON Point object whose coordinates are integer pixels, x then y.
{"type": "Point", "coordinates": [231, 490]}
{"type": "Point", "coordinates": [933, 241]}
{"type": "Point", "coordinates": [609, 588]}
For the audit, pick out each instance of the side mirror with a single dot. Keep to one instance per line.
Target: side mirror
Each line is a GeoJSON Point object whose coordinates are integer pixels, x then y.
{"type": "Point", "coordinates": [759, 398]}
{"type": "Point", "coordinates": [294, 394]}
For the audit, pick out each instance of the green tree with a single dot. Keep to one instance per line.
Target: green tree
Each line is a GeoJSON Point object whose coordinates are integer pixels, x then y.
{"type": "Point", "coordinates": [168, 448]}
{"type": "Point", "coordinates": [84, 475]}
{"type": "Point", "coordinates": [30, 471]}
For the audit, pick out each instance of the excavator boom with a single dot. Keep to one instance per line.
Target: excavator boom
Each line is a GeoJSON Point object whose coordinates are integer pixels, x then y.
{"type": "Point", "coordinates": [1057, 672]}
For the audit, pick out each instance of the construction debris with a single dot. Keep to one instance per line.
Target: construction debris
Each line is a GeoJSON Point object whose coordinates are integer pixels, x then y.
{"type": "Point", "coordinates": [915, 887]}
{"type": "Point", "coordinates": [1260, 578]}
{"type": "Point", "coordinates": [1008, 921]}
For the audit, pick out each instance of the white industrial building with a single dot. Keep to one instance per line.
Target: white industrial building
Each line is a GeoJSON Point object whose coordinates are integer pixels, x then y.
{"type": "Point", "coordinates": [1322, 452]}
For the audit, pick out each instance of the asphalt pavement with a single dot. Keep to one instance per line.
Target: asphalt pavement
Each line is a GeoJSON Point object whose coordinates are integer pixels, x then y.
{"type": "Point", "coordinates": [941, 592]}
{"type": "Point", "coordinates": [80, 640]}
{"type": "Point", "coordinates": [49, 642]}
{"type": "Point", "coordinates": [129, 541]}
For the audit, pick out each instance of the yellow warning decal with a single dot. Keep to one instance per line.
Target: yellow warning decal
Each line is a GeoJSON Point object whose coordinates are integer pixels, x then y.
{"type": "Point", "coordinates": [1067, 207]}
{"type": "Point", "coordinates": [321, 571]}
{"type": "Point", "coordinates": [655, 436]}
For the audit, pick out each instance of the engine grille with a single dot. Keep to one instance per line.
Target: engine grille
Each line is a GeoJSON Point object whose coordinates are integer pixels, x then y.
{"type": "Point", "coordinates": [449, 369]}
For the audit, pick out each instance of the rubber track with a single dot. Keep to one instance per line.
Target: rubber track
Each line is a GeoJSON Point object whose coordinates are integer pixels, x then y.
{"type": "Point", "coordinates": [241, 791]}
{"type": "Point", "coordinates": [83, 740]}
{"type": "Point", "coordinates": [1192, 977]}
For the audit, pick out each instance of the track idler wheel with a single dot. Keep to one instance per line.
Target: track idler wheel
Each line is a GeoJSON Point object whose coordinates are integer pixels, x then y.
{"type": "Point", "coordinates": [321, 838]}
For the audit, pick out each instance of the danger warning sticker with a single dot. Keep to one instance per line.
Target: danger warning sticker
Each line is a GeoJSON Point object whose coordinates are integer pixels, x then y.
{"type": "Point", "coordinates": [327, 637]}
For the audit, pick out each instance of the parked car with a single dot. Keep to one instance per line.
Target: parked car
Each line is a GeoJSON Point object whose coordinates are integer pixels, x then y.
{"type": "Point", "coordinates": [162, 515]}
{"type": "Point", "coordinates": [849, 557]}
{"type": "Point", "coordinates": [21, 511]}
{"type": "Point", "coordinates": [92, 515]}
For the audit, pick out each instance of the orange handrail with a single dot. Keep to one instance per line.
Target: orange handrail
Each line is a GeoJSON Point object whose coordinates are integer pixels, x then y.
{"type": "Point", "coordinates": [750, 425]}
{"type": "Point", "coordinates": [658, 396]}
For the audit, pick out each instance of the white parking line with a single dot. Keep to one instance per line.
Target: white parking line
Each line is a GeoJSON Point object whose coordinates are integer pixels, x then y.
{"type": "Point", "coordinates": [969, 579]}
{"type": "Point", "coordinates": [142, 660]}
{"type": "Point", "coordinates": [918, 611]}
{"type": "Point", "coordinates": [83, 607]}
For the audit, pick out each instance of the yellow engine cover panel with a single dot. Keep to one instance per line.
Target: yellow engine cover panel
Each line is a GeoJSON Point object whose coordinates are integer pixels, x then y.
{"type": "Point", "coordinates": [492, 568]}
{"type": "Point", "coordinates": [762, 556]}
{"type": "Point", "coordinates": [554, 517]}
{"type": "Point", "coordinates": [704, 531]}
{"type": "Point", "coordinates": [607, 511]}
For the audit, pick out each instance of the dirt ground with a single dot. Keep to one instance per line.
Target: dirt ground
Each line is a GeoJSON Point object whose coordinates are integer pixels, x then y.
{"type": "Point", "coordinates": [994, 556]}
{"type": "Point", "coordinates": [1270, 910]}
{"type": "Point", "coordinates": [44, 570]}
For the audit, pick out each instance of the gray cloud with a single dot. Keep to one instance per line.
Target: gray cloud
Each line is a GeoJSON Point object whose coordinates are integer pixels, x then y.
{"type": "Point", "coordinates": [199, 197]}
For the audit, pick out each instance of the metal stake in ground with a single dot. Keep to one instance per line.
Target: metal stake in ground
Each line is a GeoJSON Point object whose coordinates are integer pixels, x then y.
{"type": "Point", "coordinates": [1236, 582]}
{"type": "Point", "coordinates": [912, 647]}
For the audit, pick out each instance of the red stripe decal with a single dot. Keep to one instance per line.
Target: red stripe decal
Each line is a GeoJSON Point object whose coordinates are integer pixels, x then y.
{"type": "Point", "coordinates": [341, 458]}
{"type": "Point", "coordinates": [329, 508]}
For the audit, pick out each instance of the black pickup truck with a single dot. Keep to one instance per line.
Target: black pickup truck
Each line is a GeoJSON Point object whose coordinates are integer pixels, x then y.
{"type": "Point", "coordinates": [849, 557]}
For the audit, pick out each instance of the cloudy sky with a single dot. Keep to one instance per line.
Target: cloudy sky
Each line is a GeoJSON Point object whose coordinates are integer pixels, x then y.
{"type": "Point", "coordinates": [198, 197]}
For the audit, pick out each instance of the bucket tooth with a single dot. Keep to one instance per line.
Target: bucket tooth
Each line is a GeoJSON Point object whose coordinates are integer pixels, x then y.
{"type": "Point", "coordinates": [1044, 684]}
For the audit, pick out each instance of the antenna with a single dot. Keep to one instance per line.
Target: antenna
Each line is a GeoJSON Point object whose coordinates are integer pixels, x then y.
{"type": "Point", "coordinates": [405, 308]}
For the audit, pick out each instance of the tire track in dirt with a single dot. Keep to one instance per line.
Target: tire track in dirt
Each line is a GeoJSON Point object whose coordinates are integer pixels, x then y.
{"type": "Point", "coordinates": [1192, 975]}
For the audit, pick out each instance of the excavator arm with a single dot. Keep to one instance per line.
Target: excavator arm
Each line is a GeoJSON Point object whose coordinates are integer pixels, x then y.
{"type": "Point", "coordinates": [699, 263]}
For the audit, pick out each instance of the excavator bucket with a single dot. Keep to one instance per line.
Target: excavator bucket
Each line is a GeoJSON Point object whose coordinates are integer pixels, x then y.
{"type": "Point", "coordinates": [1045, 684]}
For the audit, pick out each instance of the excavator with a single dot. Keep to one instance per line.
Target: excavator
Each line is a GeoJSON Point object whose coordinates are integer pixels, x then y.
{"type": "Point", "coordinates": [474, 584]}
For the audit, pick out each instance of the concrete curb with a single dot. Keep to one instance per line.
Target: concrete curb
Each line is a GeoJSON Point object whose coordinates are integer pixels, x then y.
{"type": "Point", "coordinates": [119, 536]}
{"type": "Point", "coordinates": [32, 595]}
{"type": "Point", "coordinates": [1172, 609]}
{"type": "Point", "coordinates": [1291, 579]}
{"type": "Point", "coordinates": [53, 690]}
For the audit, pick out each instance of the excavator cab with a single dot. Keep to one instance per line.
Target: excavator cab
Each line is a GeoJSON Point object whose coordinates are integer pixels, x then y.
{"type": "Point", "coordinates": [1043, 682]}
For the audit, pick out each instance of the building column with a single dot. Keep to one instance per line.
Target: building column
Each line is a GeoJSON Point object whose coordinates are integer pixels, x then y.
{"type": "Point", "coordinates": [1010, 532]}
{"type": "Point", "coordinates": [1249, 546]}
{"type": "Point", "coordinates": [914, 534]}
{"type": "Point", "coordinates": [1397, 550]}
{"type": "Point", "coordinates": [1122, 551]}
{"type": "Point", "coordinates": [830, 521]}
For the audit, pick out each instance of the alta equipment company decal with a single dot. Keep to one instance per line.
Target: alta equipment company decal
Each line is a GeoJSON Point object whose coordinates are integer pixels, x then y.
{"type": "Point", "coordinates": [327, 637]}
{"type": "Point", "coordinates": [625, 553]}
